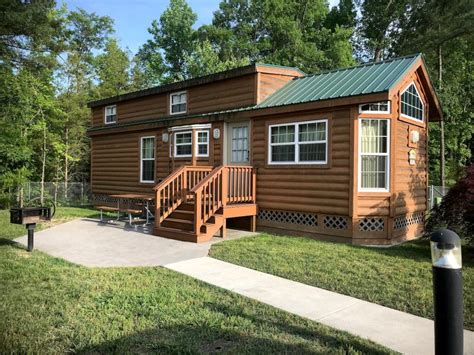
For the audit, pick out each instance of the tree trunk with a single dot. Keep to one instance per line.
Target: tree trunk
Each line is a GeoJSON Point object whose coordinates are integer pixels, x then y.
{"type": "Point", "coordinates": [43, 166]}
{"type": "Point", "coordinates": [442, 157]}
{"type": "Point", "coordinates": [66, 163]}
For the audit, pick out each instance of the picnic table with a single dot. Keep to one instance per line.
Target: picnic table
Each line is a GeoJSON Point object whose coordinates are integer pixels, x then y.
{"type": "Point", "coordinates": [141, 199]}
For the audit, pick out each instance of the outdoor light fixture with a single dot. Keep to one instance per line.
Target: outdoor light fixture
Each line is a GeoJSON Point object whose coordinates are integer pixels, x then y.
{"type": "Point", "coordinates": [165, 137]}
{"type": "Point", "coordinates": [446, 249]}
{"type": "Point", "coordinates": [216, 133]}
{"type": "Point", "coordinates": [447, 292]}
{"type": "Point", "coordinates": [415, 136]}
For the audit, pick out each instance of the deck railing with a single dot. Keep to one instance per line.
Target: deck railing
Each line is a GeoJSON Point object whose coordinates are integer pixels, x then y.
{"type": "Point", "coordinates": [174, 189]}
{"type": "Point", "coordinates": [224, 185]}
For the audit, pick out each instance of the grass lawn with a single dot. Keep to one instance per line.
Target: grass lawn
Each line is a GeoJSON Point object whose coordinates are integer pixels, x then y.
{"type": "Point", "coordinates": [50, 305]}
{"type": "Point", "coordinates": [398, 277]}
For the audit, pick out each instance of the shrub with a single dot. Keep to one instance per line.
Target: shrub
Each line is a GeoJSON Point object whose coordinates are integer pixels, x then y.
{"type": "Point", "coordinates": [456, 210]}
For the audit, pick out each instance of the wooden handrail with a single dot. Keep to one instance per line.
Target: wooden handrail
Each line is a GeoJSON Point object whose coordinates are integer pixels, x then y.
{"type": "Point", "coordinates": [225, 184]}
{"type": "Point", "coordinates": [174, 189]}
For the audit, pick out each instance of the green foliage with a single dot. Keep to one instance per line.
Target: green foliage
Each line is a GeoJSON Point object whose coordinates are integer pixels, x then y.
{"type": "Point", "coordinates": [456, 211]}
{"type": "Point", "coordinates": [112, 71]}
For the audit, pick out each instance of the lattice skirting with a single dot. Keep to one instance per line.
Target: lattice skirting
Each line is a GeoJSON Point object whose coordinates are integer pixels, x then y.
{"type": "Point", "coordinates": [404, 221]}
{"type": "Point", "coordinates": [304, 220]}
{"type": "Point", "coordinates": [296, 218]}
{"type": "Point", "coordinates": [371, 224]}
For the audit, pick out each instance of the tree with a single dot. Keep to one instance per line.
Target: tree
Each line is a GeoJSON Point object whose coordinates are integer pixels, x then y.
{"type": "Point", "coordinates": [442, 30]}
{"type": "Point", "coordinates": [280, 32]}
{"type": "Point", "coordinates": [112, 71]}
{"type": "Point", "coordinates": [378, 27]}
{"type": "Point", "coordinates": [174, 35]}
{"type": "Point", "coordinates": [26, 27]}
{"type": "Point", "coordinates": [205, 60]}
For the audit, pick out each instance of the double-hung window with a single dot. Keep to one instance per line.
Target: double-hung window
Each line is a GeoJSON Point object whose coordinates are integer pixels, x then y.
{"type": "Point", "coordinates": [178, 102]}
{"type": "Point", "coordinates": [374, 155]}
{"type": "Point", "coordinates": [183, 144]}
{"type": "Point", "coordinates": [298, 143]}
{"type": "Point", "coordinates": [147, 159]}
{"type": "Point", "coordinates": [411, 104]}
{"type": "Point", "coordinates": [202, 145]}
{"type": "Point", "coordinates": [110, 114]}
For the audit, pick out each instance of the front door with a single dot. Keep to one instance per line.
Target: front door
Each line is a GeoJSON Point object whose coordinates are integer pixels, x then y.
{"type": "Point", "coordinates": [238, 148]}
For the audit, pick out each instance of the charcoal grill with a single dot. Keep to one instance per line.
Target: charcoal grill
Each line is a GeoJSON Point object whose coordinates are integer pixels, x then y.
{"type": "Point", "coordinates": [29, 216]}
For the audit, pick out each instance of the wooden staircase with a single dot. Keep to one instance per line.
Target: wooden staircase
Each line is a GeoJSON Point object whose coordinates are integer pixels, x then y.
{"type": "Point", "coordinates": [192, 203]}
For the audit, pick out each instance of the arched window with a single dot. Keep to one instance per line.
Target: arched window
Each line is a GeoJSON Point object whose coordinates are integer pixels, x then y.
{"type": "Point", "coordinates": [412, 106]}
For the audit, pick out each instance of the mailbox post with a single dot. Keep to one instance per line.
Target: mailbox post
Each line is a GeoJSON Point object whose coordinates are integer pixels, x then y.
{"type": "Point", "coordinates": [29, 216]}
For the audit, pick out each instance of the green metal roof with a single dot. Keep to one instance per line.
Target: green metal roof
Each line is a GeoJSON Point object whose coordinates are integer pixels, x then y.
{"type": "Point", "coordinates": [360, 80]}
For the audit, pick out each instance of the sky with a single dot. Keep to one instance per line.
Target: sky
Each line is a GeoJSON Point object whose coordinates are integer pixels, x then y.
{"type": "Point", "coordinates": [132, 18]}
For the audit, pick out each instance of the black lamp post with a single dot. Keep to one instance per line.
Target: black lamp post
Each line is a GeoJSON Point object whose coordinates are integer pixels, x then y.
{"type": "Point", "coordinates": [447, 292]}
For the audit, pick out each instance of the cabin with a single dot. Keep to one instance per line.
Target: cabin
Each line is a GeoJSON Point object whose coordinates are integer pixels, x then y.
{"type": "Point", "coordinates": [340, 155]}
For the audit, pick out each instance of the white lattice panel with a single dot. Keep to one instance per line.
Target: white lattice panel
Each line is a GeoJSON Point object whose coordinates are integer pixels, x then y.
{"type": "Point", "coordinates": [401, 222]}
{"type": "Point", "coordinates": [299, 218]}
{"type": "Point", "coordinates": [371, 224]}
{"type": "Point", "coordinates": [335, 222]}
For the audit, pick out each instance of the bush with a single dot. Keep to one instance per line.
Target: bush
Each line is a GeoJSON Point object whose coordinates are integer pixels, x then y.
{"type": "Point", "coordinates": [456, 210]}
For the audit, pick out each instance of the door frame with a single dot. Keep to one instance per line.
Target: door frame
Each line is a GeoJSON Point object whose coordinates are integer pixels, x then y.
{"type": "Point", "coordinates": [228, 134]}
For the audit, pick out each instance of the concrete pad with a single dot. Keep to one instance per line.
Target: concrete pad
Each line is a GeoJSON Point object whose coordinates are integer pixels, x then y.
{"type": "Point", "coordinates": [397, 330]}
{"type": "Point", "coordinates": [91, 243]}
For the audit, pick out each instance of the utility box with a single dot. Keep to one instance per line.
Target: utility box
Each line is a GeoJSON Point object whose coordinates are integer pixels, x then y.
{"type": "Point", "coordinates": [30, 215]}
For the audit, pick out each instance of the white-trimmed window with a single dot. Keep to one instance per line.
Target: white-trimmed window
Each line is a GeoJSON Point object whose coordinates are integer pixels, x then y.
{"type": "Point", "coordinates": [183, 144]}
{"type": "Point", "coordinates": [374, 159]}
{"type": "Point", "coordinates": [202, 143]}
{"type": "Point", "coordinates": [178, 102]}
{"type": "Point", "coordinates": [411, 103]}
{"type": "Point", "coordinates": [110, 114]}
{"type": "Point", "coordinates": [298, 143]}
{"type": "Point", "coordinates": [147, 159]}
{"type": "Point", "coordinates": [375, 107]}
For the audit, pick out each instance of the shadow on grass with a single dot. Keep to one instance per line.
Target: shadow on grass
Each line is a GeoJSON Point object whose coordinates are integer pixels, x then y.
{"type": "Point", "coordinates": [11, 243]}
{"type": "Point", "coordinates": [207, 338]}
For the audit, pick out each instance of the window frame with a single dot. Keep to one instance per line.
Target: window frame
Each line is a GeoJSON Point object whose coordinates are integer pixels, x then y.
{"type": "Point", "coordinates": [389, 107]}
{"type": "Point", "coordinates": [171, 102]}
{"type": "Point", "coordinates": [175, 145]}
{"type": "Point", "coordinates": [422, 105]}
{"type": "Point", "coordinates": [297, 144]}
{"type": "Point", "coordinates": [360, 154]}
{"type": "Point", "coordinates": [105, 114]}
{"type": "Point", "coordinates": [147, 159]}
{"type": "Point", "coordinates": [206, 143]}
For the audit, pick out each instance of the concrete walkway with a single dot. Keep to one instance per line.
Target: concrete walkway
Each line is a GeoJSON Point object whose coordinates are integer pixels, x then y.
{"type": "Point", "coordinates": [91, 243]}
{"type": "Point", "coordinates": [396, 330]}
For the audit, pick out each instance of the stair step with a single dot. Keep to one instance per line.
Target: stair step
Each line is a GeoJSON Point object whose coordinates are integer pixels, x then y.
{"type": "Point", "coordinates": [183, 214]}
{"type": "Point", "coordinates": [182, 224]}
{"type": "Point", "coordinates": [187, 206]}
{"type": "Point", "coordinates": [175, 233]}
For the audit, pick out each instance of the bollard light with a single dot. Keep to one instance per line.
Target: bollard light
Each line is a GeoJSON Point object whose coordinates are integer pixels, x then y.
{"type": "Point", "coordinates": [447, 292]}
{"type": "Point", "coordinates": [446, 249]}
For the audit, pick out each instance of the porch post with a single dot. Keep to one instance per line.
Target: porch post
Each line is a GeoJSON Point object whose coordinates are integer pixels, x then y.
{"type": "Point", "coordinates": [193, 140]}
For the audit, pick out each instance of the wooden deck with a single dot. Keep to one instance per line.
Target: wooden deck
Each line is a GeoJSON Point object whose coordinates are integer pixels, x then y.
{"type": "Point", "coordinates": [194, 202]}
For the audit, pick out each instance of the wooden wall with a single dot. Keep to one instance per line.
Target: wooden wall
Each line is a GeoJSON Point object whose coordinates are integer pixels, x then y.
{"type": "Point", "coordinates": [313, 190]}
{"type": "Point", "coordinates": [116, 160]}
{"type": "Point", "coordinates": [269, 83]}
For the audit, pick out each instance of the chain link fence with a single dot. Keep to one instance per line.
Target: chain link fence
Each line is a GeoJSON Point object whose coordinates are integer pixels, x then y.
{"type": "Point", "coordinates": [435, 195]}
{"type": "Point", "coordinates": [70, 194]}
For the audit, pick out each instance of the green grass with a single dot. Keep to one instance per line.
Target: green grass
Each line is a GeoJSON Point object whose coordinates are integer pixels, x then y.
{"type": "Point", "coordinates": [398, 277]}
{"type": "Point", "coordinates": [50, 305]}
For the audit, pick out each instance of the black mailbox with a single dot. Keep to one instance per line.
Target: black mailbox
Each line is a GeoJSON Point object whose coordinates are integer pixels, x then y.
{"type": "Point", "coordinates": [30, 216]}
